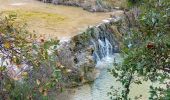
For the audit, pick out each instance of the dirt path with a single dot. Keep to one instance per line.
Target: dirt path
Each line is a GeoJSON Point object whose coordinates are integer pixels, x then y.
{"type": "Point", "coordinates": [53, 21]}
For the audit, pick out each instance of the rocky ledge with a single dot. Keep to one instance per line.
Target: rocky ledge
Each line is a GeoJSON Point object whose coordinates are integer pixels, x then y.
{"type": "Point", "coordinates": [89, 5]}
{"type": "Point", "coordinates": [81, 53]}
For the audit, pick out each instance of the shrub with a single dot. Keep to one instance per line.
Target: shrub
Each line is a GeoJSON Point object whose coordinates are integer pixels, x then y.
{"type": "Point", "coordinates": [28, 64]}
{"type": "Point", "coordinates": [146, 51]}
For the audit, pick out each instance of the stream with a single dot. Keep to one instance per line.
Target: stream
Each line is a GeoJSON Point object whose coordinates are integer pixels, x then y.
{"type": "Point", "coordinates": [101, 86]}
{"type": "Point", "coordinates": [51, 21]}
{"type": "Point", "coordinates": [68, 24]}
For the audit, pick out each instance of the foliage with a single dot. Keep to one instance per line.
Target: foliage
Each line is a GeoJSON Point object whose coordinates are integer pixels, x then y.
{"type": "Point", "coordinates": [27, 64]}
{"type": "Point", "coordinates": [146, 51]}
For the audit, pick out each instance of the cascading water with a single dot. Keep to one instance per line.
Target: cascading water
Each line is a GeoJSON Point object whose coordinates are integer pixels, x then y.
{"type": "Point", "coordinates": [104, 56]}
{"type": "Point", "coordinates": [109, 48]}
{"type": "Point", "coordinates": [100, 87]}
{"type": "Point", "coordinates": [95, 54]}
{"type": "Point", "coordinates": [103, 49]}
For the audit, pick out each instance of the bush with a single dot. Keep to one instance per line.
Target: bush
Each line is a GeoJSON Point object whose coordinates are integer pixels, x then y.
{"type": "Point", "coordinates": [28, 64]}
{"type": "Point", "coordinates": [146, 51]}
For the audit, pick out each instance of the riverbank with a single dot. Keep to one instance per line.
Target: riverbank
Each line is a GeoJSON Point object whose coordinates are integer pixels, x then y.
{"type": "Point", "coordinates": [91, 5]}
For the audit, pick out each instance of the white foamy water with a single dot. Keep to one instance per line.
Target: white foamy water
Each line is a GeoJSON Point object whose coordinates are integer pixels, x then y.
{"type": "Point", "coordinates": [64, 39]}
{"type": "Point", "coordinates": [17, 4]}
{"type": "Point", "coordinates": [105, 62]}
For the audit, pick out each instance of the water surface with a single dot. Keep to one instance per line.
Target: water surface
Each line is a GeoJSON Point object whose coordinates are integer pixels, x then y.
{"type": "Point", "coordinates": [52, 20]}
{"type": "Point", "coordinates": [101, 86]}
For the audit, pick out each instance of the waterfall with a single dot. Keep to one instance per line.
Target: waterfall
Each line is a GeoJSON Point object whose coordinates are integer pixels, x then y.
{"type": "Point", "coordinates": [102, 49]}
{"type": "Point", "coordinates": [109, 48]}
{"type": "Point", "coordinates": [95, 54]}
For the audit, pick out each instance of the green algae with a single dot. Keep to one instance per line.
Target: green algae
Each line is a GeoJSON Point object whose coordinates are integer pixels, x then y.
{"type": "Point", "coordinates": [26, 16]}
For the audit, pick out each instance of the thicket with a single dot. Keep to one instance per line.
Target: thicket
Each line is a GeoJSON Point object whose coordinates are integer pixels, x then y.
{"type": "Point", "coordinates": [146, 51]}
{"type": "Point", "coordinates": [28, 68]}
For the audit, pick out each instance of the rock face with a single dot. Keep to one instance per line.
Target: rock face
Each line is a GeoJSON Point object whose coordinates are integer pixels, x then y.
{"type": "Point", "coordinates": [89, 5]}
{"type": "Point", "coordinates": [82, 52]}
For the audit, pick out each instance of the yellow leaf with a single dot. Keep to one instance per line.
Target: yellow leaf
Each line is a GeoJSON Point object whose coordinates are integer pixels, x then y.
{"type": "Point", "coordinates": [61, 66]}
{"type": "Point", "coordinates": [14, 59]}
{"type": "Point", "coordinates": [7, 45]}
{"type": "Point", "coordinates": [38, 82]}
{"type": "Point", "coordinates": [16, 78]}
{"type": "Point", "coordinates": [68, 70]}
{"type": "Point", "coordinates": [45, 93]}
{"type": "Point", "coordinates": [41, 89]}
{"type": "Point", "coordinates": [24, 74]}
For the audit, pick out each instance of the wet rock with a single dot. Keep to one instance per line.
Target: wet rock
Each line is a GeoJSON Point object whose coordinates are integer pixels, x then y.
{"type": "Point", "coordinates": [81, 53]}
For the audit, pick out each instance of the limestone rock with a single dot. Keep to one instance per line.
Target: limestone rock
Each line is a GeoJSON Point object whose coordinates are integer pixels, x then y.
{"type": "Point", "coordinates": [81, 53]}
